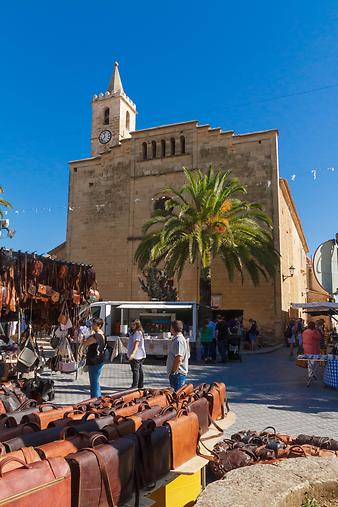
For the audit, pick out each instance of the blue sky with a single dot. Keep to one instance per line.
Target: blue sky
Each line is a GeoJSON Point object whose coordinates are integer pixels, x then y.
{"type": "Point", "coordinates": [240, 66]}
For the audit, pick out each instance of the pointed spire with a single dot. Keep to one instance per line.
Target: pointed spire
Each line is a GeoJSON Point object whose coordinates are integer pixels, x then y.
{"type": "Point", "coordinates": [115, 84]}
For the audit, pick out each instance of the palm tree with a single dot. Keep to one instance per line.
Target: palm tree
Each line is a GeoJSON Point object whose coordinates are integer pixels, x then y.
{"type": "Point", "coordinates": [206, 219]}
{"type": "Point", "coordinates": [3, 202]}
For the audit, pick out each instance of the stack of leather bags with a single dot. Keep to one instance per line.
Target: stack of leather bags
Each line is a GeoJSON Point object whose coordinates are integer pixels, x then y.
{"type": "Point", "coordinates": [102, 451]}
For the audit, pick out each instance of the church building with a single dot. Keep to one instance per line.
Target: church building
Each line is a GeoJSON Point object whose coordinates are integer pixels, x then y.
{"type": "Point", "coordinates": [115, 189]}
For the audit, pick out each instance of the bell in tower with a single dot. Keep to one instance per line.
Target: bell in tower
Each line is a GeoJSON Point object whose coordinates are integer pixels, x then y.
{"type": "Point", "coordinates": [113, 116]}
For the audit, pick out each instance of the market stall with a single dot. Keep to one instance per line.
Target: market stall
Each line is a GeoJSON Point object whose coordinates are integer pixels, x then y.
{"type": "Point", "coordinates": [156, 318]}
{"type": "Point", "coordinates": [39, 294]}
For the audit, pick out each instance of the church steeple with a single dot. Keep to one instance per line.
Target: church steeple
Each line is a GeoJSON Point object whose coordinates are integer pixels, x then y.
{"type": "Point", "coordinates": [115, 84]}
{"type": "Point", "coordinates": [113, 116]}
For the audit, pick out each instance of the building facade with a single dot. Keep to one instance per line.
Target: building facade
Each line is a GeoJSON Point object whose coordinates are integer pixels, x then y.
{"type": "Point", "coordinates": [114, 191]}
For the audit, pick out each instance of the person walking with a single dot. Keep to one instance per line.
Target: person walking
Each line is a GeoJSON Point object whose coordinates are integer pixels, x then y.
{"type": "Point", "coordinates": [222, 338]}
{"type": "Point", "coordinates": [206, 340]}
{"type": "Point", "coordinates": [136, 353]}
{"type": "Point", "coordinates": [178, 356]}
{"type": "Point", "coordinates": [253, 333]}
{"type": "Point", "coordinates": [212, 327]}
{"type": "Point", "coordinates": [95, 346]}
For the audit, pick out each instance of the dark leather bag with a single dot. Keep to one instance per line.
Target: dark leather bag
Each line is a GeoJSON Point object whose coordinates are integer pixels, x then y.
{"type": "Point", "coordinates": [33, 439]}
{"type": "Point", "coordinates": [200, 407]}
{"type": "Point", "coordinates": [122, 427]}
{"type": "Point", "coordinates": [103, 476]}
{"type": "Point", "coordinates": [17, 416]}
{"type": "Point", "coordinates": [36, 484]}
{"type": "Point", "coordinates": [15, 431]}
{"type": "Point", "coordinates": [184, 433]}
{"type": "Point", "coordinates": [12, 398]}
{"type": "Point", "coordinates": [166, 414]}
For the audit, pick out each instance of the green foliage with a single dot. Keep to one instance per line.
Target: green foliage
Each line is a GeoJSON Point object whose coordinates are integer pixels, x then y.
{"type": "Point", "coordinates": [310, 502]}
{"type": "Point", "coordinates": [157, 285]}
{"type": "Point", "coordinates": [207, 218]}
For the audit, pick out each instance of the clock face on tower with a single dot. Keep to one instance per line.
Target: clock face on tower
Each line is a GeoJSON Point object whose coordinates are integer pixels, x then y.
{"type": "Point", "coordinates": [105, 136]}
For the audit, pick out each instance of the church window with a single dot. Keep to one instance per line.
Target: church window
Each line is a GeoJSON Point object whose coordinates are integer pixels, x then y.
{"type": "Point", "coordinates": [127, 120]}
{"type": "Point", "coordinates": [153, 149]}
{"type": "Point", "coordinates": [182, 140]}
{"type": "Point", "coordinates": [106, 116]}
{"type": "Point", "coordinates": [163, 148]}
{"type": "Point", "coordinates": [172, 146]}
{"type": "Point", "coordinates": [144, 151]}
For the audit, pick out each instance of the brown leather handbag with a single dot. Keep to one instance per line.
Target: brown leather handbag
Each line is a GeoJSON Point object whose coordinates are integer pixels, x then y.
{"type": "Point", "coordinates": [44, 417]}
{"type": "Point", "coordinates": [217, 399]}
{"type": "Point", "coordinates": [64, 447]}
{"type": "Point", "coordinates": [104, 476]}
{"type": "Point", "coordinates": [28, 455]}
{"type": "Point", "coordinates": [123, 426]}
{"type": "Point", "coordinates": [35, 484]}
{"type": "Point", "coordinates": [184, 437]}
{"type": "Point", "coordinates": [200, 407]}
{"type": "Point", "coordinates": [166, 414]}
{"type": "Point", "coordinates": [184, 391]}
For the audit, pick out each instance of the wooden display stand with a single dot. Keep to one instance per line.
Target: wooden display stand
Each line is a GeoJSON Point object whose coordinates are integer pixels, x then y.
{"type": "Point", "coordinates": [182, 486]}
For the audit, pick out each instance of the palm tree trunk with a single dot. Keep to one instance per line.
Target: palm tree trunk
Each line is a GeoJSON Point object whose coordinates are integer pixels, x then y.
{"type": "Point", "coordinates": [205, 286]}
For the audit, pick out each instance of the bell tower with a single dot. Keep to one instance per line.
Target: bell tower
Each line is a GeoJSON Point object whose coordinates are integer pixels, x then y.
{"type": "Point", "coordinates": [113, 116]}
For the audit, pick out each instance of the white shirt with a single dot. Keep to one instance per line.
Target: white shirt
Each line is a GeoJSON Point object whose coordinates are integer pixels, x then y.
{"type": "Point", "coordinates": [140, 351]}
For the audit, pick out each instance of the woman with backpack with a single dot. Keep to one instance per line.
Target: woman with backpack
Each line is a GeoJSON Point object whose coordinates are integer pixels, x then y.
{"type": "Point", "coordinates": [136, 353]}
{"type": "Point", "coordinates": [96, 346]}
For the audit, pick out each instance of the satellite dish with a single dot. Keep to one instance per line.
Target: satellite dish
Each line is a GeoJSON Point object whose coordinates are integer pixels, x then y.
{"type": "Point", "coordinates": [325, 265]}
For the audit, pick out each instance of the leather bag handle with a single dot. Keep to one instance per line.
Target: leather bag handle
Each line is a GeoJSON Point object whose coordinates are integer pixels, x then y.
{"type": "Point", "coordinates": [297, 447]}
{"type": "Point", "coordinates": [167, 409]}
{"type": "Point", "coordinates": [88, 413]}
{"type": "Point", "coordinates": [42, 407]}
{"type": "Point", "coordinates": [269, 428]}
{"type": "Point", "coordinates": [75, 411]}
{"type": "Point", "coordinates": [9, 460]}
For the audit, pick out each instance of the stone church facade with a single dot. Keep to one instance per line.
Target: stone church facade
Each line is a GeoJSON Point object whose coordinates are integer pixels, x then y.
{"type": "Point", "coordinates": [114, 191]}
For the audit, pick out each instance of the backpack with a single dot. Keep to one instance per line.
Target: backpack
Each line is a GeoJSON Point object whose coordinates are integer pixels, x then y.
{"type": "Point", "coordinates": [96, 353]}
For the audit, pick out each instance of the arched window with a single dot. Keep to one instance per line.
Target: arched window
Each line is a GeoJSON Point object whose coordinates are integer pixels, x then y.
{"type": "Point", "coordinates": [153, 149]}
{"type": "Point", "coordinates": [172, 146]}
{"type": "Point", "coordinates": [106, 116]}
{"type": "Point", "coordinates": [127, 120]}
{"type": "Point", "coordinates": [163, 148]}
{"type": "Point", "coordinates": [182, 140]}
{"type": "Point", "coordinates": [144, 151]}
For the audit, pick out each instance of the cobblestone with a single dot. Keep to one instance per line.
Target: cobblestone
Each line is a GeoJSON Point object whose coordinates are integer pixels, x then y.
{"type": "Point", "coordinates": [263, 390]}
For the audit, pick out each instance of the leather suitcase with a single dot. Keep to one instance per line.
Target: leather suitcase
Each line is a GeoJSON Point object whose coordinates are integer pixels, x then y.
{"type": "Point", "coordinates": [33, 439]}
{"type": "Point", "coordinates": [43, 417]}
{"type": "Point", "coordinates": [98, 473]}
{"type": "Point", "coordinates": [64, 447]}
{"type": "Point", "coordinates": [217, 397]}
{"type": "Point", "coordinates": [200, 407]}
{"type": "Point", "coordinates": [15, 418]}
{"type": "Point", "coordinates": [28, 455]}
{"type": "Point", "coordinates": [184, 438]}
{"type": "Point", "coordinates": [165, 415]}
{"type": "Point", "coordinates": [12, 432]}
{"type": "Point", "coordinates": [123, 426]}
{"type": "Point", "coordinates": [184, 391]}
{"type": "Point", "coordinates": [38, 484]}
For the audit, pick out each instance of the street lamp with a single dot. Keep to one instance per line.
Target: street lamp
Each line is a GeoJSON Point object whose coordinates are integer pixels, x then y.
{"type": "Point", "coordinates": [4, 226]}
{"type": "Point", "coordinates": [291, 271]}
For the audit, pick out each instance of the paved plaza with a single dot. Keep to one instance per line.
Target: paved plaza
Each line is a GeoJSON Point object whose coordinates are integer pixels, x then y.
{"type": "Point", "coordinates": [263, 390]}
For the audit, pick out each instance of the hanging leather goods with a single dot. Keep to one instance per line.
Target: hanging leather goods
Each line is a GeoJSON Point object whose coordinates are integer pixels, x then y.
{"type": "Point", "coordinates": [44, 290]}
{"type": "Point", "coordinates": [36, 268]}
{"type": "Point", "coordinates": [55, 296]}
{"type": "Point", "coordinates": [62, 272]}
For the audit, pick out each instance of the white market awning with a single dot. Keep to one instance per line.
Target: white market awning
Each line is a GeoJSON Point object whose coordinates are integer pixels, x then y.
{"type": "Point", "coordinates": [154, 306]}
{"type": "Point", "coordinates": [316, 307]}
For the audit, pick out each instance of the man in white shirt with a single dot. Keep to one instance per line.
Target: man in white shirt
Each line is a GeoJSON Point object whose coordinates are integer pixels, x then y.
{"type": "Point", "coordinates": [178, 356]}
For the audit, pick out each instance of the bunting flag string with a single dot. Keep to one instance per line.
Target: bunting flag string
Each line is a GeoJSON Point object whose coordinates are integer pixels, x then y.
{"type": "Point", "coordinates": [313, 174]}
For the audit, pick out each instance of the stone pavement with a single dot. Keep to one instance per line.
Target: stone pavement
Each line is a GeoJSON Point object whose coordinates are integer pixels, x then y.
{"type": "Point", "coordinates": [263, 390]}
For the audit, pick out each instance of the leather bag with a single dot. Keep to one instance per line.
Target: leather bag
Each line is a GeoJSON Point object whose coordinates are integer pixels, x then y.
{"type": "Point", "coordinates": [200, 407]}
{"type": "Point", "coordinates": [103, 476]}
{"type": "Point", "coordinates": [36, 484]}
{"type": "Point", "coordinates": [44, 417]}
{"type": "Point", "coordinates": [11, 398]}
{"type": "Point", "coordinates": [166, 414]}
{"type": "Point", "coordinates": [15, 431]}
{"type": "Point", "coordinates": [34, 438]}
{"type": "Point", "coordinates": [184, 438]}
{"type": "Point", "coordinates": [64, 447]}
{"type": "Point", "coordinates": [28, 455]}
{"type": "Point", "coordinates": [217, 399]}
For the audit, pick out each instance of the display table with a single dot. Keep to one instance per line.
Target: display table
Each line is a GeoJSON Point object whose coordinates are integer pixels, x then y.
{"type": "Point", "coordinates": [153, 346]}
{"type": "Point", "coordinates": [182, 486]}
{"type": "Point", "coordinates": [313, 362]}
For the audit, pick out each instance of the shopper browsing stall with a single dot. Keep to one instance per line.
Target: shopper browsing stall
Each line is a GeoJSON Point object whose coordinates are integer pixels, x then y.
{"type": "Point", "coordinates": [178, 356]}
{"type": "Point", "coordinates": [96, 346]}
{"type": "Point", "coordinates": [136, 353]}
